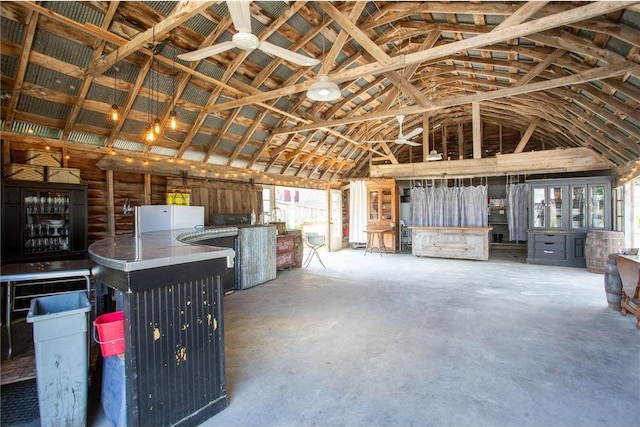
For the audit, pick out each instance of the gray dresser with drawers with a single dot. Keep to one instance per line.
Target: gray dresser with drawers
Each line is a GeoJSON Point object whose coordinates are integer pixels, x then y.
{"type": "Point", "coordinates": [561, 212]}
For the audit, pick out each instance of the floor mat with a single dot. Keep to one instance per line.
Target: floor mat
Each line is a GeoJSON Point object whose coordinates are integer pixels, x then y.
{"type": "Point", "coordinates": [19, 403]}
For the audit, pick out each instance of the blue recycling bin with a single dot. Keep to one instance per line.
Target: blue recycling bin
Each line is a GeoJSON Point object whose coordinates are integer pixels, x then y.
{"type": "Point", "coordinates": [60, 338]}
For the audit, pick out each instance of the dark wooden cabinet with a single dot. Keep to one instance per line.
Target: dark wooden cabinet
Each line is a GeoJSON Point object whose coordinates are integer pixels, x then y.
{"type": "Point", "coordinates": [43, 221]}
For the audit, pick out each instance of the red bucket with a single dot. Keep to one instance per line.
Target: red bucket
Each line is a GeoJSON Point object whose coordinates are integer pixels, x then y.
{"type": "Point", "coordinates": [110, 329]}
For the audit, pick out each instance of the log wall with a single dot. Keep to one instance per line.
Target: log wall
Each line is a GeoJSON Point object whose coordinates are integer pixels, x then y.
{"type": "Point", "coordinates": [215, 196]}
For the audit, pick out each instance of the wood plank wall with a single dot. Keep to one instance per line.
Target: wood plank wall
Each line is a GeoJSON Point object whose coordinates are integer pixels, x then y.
{"type": "Point", "coordinates": [215, 196]}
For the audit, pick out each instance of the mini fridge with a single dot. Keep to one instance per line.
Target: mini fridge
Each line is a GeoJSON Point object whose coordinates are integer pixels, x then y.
{"type": "Point", "coordinates": [167, 217]}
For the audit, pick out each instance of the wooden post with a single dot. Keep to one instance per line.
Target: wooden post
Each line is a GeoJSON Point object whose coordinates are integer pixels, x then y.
{"type": "Point", "coordinates": [111, 213]}
{"type": "Point", "coordinates": [477, 130]}
{"type": "Point", "coordinates": [6, 152]}
{"type": "Point", "coordinates": [147, 188]}
{"type": "Point", "coordinates": [461, 141]}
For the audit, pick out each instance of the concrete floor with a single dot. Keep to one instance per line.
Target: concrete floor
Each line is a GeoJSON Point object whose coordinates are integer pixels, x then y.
{"type": "Point", "coordinates": [400, 341]}
{"type": "Point", "coordinates": [396, 340]}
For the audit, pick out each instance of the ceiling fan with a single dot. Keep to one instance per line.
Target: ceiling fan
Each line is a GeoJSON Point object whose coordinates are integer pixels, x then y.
{"type": "Point", "coordinates": [245, 40]}
{"type": "Point", "coordinates": [403, 139]}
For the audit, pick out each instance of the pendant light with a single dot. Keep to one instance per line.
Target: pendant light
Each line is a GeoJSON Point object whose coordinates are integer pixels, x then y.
{"type": "Point", "coordinates": [173, 115]}
{"type": "Point", "coordinates": [323, 89]}
{"type": "Point", "coordinates": [149, 136]}
{"type": "Point", "coordinates": [114, 114]}
{"type": "Point", "coordinates": [157, 126]}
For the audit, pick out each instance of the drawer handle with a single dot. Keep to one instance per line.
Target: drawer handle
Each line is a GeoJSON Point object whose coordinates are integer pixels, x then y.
{"type": "Point", "coordinates": [548, 252]}
{"type": "Point", "coordinates": [550, 235]}
{"type": "Point", "coordinates": [549, 243]}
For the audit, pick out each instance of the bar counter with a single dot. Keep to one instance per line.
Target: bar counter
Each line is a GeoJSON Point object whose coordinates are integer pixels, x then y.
{"type": "Point", "coordinates": [173, 324]}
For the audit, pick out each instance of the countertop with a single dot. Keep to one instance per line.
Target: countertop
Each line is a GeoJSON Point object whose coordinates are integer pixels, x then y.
{"type": "Point", "coordinates": [153, 249]}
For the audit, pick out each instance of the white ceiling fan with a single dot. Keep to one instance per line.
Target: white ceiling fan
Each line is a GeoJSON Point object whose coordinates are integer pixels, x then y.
{"type": "Point", "coordinates": [245, 40]}
{"type": "Point", "coordinates": [403, 139]}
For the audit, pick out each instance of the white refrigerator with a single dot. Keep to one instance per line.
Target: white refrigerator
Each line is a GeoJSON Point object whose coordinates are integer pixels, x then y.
{"type": "Point", "coordinates": [167, 217]}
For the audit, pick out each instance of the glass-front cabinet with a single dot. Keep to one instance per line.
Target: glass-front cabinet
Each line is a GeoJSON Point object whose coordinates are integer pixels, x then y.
{"type": "Point", "coordinates": [43, 221]}
{"type": "Point", "coordinates": [547, 207]}
{"type": "Point", "coordinates": [382, 210]}
{"type": "Point", "coordinates": [561, 212]}
{"type": "Point", "coordinates": [590, 207]}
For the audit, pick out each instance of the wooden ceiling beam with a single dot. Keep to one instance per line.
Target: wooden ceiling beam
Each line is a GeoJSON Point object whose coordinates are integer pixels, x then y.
{"type": "Point", "coordinates": [183, 12]}
{"type": "Point", "coordinates": [589, 75]}
{"type": "Point", "coordinates": [578, 159]}
{"type": "Point", "coordinates": [541, 24]}
{"type": "Point", "coordinates": [27, 44]}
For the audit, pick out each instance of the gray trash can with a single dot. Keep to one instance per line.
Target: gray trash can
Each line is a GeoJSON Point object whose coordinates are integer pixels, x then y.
{"type": "Point", "coordinates": [60, 338]}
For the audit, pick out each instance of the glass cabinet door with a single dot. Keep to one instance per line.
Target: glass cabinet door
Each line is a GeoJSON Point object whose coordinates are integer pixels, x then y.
{"type": "Point", "coordinates": [46, 221]}
{"type": "Point", "coordinates": [374, 213]}
{"type": "Point", "coordinates": [539, 206]}
{"type": "Point", "coordinates": [555, 207]}
{"type": "Point", "coordinates": [578, 207]}
{"type": "Point", "coordinates": [597, 206]}
{"type": "Point", "coordinates": [385, 205]}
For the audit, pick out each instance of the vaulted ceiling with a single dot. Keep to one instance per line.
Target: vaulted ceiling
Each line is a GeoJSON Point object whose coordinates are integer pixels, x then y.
{"type": "Point", "coordinates": [481, 78]}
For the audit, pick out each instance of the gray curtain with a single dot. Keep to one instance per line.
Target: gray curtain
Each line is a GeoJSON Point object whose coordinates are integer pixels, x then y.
{"type": "Point", "coordinates": [517, 202]}
{"type": "Point", "coordinates": [449, 206]}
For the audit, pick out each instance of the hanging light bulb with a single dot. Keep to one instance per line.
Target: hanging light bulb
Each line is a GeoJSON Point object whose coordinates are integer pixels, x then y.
{"type": "Point", "coordinates": [173, 115]}
{"type": "Point", "coordinates": [173, 120]}
{"type": "Point", "coordinates": [149, 135]}
{"type": "Point", "coordinates": [114, 113]}
{"type": "Point", "coordinates": [157, 126]}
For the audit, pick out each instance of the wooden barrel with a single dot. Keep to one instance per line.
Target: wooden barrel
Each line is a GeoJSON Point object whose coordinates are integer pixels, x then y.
{"type": "Point", "coordinates": [613, 283]}
{"type": "Point", "coordinates": [598, 247]}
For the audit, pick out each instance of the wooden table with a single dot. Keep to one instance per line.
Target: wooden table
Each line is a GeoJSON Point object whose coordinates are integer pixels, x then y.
{"type": "Point", "coordinates": [34, 274]}
{"type": "Point", "coordinates": [629, 270]}
{"type": "Point", "coordinates": [374, 233]}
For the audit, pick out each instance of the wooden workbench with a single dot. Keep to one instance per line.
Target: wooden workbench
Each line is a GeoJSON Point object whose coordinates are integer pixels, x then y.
{"type": "Point", "coordinates": [451, 242]}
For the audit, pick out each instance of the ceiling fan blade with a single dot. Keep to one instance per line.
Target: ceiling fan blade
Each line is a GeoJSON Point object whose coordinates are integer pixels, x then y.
{"type": "Point", "coordinates": [415, 132]}
{"type": "Point", "coordinates": [205, 52]}
{"type": "Point", "coordinates": [240, 15]}
{"type": "Point", "coordinates": [407, 142]}
{"type": "Point", "coordinates": [288, 55]}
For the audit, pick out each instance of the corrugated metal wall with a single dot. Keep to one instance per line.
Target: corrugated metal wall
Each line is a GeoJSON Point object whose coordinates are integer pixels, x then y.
{"type": "Point", "coordinates": [257, 257]}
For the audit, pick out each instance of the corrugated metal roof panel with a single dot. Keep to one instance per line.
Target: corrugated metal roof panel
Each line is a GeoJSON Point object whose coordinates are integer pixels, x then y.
{"type": "Point", "coordinates": [77, 11]}
{"type": "Point", "coordinates": [195, 95]}
{"type": "Point", "coordinates": [163, 151]}
{"type": "Point", "coordinates": [94, 118]}
{"type": "Point", "coordinates": [123, 144]}
{"type": "Point", "coordinates": [201, 25]}
{"type": "Point", "coordinates": [133, 126]}
{"type": "Point", "coordinates": [210, 69]}
{"type": "Point", "coordinates": [63, 49]}
{"type": "Point", "coordinates": [162, 7]}
{"type": "Point", "coordinates": [40, 106]}
{"type": "Point", "coordinates": [8, 67]}
{"type": "Point", "coordinates": [87, 138]}
{"type": "Point", "coordinates": [213, 122]}
{"type": "Point", "coordinates": [36, 130]}
{"type": "Point", "coordinates": [203, 139]}
{"type": "Point", "coordinates": [11, 30]}
{"type": "Point", "coordinates": [196, 156]}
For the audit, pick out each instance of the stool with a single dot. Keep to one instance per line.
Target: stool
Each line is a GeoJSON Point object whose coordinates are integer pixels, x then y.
{"type": "Point", "coordinates": [314, 241]}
